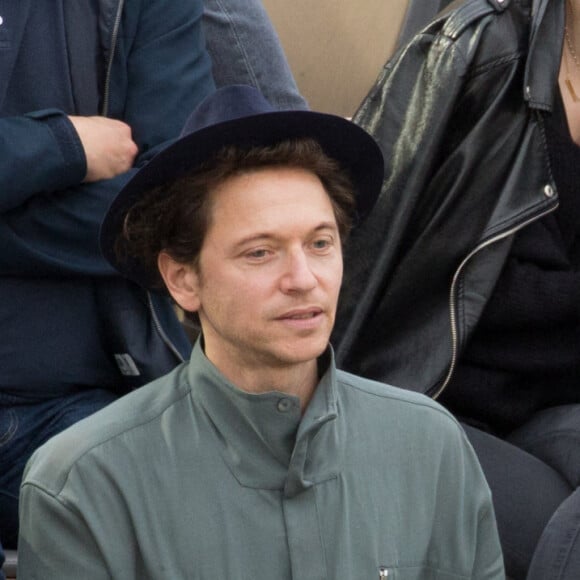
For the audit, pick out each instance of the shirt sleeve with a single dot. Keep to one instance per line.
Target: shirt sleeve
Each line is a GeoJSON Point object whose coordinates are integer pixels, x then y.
{"type": "Point", "coordinates": [488, 563]}
{"type": "Point", "coordinates": [161, 73]}
{"type": "Point", "coordinates": [480, 525]}
{"type": "Point", "coordinates": [62, 548]}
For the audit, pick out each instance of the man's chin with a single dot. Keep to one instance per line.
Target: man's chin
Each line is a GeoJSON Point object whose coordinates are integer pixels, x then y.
{"type": "Point", "coordinates": [303, 351]}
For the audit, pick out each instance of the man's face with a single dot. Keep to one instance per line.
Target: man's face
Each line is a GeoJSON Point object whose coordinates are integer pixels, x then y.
{"type": "Point", "coordinates": [270, 270]}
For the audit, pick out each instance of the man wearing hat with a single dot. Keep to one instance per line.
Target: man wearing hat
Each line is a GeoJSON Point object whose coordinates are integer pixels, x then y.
{"type": "Point", "coordinates": [257, 459]}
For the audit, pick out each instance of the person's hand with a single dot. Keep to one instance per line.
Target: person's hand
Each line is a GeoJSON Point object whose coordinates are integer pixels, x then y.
{"type": "Point", "coordinates": [108, 146]}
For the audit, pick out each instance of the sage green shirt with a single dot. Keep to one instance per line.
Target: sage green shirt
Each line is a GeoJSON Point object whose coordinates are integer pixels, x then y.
{"type": "Point", "coordinates": [191, 478]}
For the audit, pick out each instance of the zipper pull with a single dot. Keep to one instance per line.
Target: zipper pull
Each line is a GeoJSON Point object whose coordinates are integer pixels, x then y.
{"type": "Point", "coordinates": [383, 572]}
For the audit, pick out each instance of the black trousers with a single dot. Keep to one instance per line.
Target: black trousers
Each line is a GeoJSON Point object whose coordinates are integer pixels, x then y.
{"type": "Point", "coordinates": [534, 475]}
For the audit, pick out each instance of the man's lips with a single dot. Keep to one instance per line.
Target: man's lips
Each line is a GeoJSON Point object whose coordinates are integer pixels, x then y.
{"type": "Point", "coordinates": [301, 314]}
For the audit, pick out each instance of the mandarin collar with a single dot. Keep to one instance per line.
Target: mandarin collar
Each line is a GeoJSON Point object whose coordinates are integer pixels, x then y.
{"type": "Point", "coordinates": [264, 439]}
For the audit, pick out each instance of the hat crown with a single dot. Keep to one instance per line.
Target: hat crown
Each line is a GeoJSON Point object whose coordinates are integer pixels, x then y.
{"type": "Point", "coordinates": [227, 104]}
{"type": "Point", "coordinates": [240, 116]}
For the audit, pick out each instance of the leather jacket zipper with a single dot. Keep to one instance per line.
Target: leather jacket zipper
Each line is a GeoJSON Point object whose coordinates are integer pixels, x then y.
{"type": "Point", "coordinates": [453, 291]}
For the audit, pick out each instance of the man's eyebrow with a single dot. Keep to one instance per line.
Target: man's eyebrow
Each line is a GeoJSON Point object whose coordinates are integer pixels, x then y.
{"type": "Point", "coordinates": [271, 235]}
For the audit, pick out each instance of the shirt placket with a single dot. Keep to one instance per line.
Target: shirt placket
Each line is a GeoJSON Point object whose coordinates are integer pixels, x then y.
{"type": "Point", "coordinates": [306, 549]}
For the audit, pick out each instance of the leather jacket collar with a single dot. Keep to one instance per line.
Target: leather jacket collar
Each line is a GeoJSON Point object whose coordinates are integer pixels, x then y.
{"type": "Point", "coordinates": [542, 67]}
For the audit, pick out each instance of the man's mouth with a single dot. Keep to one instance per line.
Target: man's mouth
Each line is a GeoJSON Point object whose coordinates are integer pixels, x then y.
{"type": "Point", "coordinates": [301, 314]}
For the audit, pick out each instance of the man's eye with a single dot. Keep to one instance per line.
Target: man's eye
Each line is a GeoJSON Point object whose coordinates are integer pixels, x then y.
{"type": "Point", "coordinates": [322, 244]}
{"type": "Point", "coordinates": [257, 254]}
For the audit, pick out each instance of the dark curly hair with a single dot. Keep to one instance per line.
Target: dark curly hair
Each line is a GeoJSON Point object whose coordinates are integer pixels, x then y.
{"type": "Point", "coordinates": [175, 217]}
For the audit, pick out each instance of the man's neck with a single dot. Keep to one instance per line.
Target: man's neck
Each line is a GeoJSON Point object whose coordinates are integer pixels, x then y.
{"type": "Point", "coordinates": [569, 76]}
{"type": "Point", "coordinates": [573, 20]}
{"type": "Point", "coordinates": [298, 380]}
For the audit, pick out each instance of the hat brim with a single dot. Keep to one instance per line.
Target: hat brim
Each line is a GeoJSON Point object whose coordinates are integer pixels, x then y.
{"type": "Point", "coordinates": [353, 148]}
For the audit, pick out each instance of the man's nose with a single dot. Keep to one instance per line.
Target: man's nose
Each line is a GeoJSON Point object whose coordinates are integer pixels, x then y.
{"type": "Point", "coordinates": [298, 275]}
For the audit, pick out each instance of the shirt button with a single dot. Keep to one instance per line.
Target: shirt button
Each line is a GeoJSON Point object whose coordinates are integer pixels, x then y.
{"type": "Point", "coordinates": [284, 405]}
{"type": "Point", "coordinates": [1, 21]}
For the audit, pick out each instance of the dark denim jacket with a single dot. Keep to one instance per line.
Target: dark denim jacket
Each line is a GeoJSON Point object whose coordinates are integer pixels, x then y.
{"type": "Point", "coordinates": [49, 223]}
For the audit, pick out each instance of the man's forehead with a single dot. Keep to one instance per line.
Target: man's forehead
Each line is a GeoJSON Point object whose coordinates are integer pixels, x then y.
{"type": "Point", "coordinates": [269, 205]}
{"type": "Point", "coordinates": [262, 189]}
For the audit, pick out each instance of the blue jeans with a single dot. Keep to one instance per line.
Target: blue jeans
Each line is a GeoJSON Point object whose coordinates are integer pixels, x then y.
{"type": "Point", "coordinates": [534, 475]}
{"type": "Point", "coordinates": [245, 49]}
{"type": "Point", "coordinates": [24, 426]}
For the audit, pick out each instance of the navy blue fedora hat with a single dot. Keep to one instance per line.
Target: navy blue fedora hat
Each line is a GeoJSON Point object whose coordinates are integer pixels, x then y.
{"type": "Point", "coordinates": [240, 115]}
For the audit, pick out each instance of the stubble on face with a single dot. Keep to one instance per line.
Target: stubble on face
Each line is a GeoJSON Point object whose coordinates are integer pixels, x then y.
{"type": "Point", "coordinates": [269, 276]}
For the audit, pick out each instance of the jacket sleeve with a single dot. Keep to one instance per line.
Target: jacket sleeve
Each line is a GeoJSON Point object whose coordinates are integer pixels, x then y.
{"type": "Point", "coordinates": [472, 523]}
{"type": "Point", "coordinates": [475, 494]}
{"type": "Point", "coordinates": [39, 152]}
{"type": "Point", "coordinates": [68, 551]}
{"type": "Point", "coordinates": [160, 73]}
{"type": "Point", "coordinates": [488, 557]}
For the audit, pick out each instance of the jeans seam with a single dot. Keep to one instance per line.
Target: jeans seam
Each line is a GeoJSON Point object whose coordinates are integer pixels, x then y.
{"type": "Point", "coordinates": [563, 562]}
{"type": "Point", "coordinates": [247, 61]}
{"type": "Point", "coordinates": [11, 430]}
{"type": "Point", "coordinates": [551, 435]}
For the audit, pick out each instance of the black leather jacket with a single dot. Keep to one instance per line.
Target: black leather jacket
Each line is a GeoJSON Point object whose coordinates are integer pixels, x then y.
{"type": "Point", "coordinates": [458, 113]}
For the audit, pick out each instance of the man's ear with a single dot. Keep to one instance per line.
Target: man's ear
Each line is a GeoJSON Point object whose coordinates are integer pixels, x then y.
{"type": "Point", "coordinates": [181, 281]}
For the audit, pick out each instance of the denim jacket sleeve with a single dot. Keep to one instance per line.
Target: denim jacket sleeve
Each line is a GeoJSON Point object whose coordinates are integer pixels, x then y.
{"type": "Point", "coordinates": [159, 71]}
{"type": "Point", "coordinates": [39, 152]}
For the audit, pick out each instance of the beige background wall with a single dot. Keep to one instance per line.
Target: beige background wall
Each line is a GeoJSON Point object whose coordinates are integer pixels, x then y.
{"type": "Point", "coordinates": [336, 48]}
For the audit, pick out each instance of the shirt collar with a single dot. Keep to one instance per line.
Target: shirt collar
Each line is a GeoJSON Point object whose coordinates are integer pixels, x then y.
{"type": "Point", "coordinates": [264, 439]}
